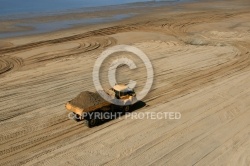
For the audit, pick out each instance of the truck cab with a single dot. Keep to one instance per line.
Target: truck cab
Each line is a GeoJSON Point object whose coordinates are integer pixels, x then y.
{"type": "Point", "coordinates": [123, 92]}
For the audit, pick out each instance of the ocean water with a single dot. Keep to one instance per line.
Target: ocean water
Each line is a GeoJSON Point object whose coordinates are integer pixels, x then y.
{"type": "Point", "coordinates": [16, 7]}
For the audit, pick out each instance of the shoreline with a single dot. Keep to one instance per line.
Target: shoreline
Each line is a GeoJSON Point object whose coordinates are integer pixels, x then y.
{"type": "Point", "coordinates": [42, 24]}
{"type": "Point", "coordinates": [83, 10]}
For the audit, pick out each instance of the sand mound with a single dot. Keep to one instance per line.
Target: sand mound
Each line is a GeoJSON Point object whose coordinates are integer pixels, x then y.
{"type": "Point", "coordinates": [87, 99]}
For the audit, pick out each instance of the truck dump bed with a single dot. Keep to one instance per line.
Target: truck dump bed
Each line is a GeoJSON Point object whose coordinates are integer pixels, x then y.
{"type": "Point", "coordinates": [86, 102]}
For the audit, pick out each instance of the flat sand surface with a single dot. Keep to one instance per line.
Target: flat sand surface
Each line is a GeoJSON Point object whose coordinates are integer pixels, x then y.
{"type": "Point", "coordinates": [201, 60]}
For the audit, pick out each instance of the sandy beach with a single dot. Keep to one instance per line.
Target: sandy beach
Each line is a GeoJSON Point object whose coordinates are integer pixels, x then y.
{"type": "Point", "coordinates": [200, 52]}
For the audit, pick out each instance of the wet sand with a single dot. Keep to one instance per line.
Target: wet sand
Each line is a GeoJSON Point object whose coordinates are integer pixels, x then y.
{"type": "Point", "coordinates": [200, 54]}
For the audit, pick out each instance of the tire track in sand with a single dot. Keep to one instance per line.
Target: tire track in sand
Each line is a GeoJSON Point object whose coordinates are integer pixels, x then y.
{"type": "Point", "coordinates": [85, 45]}
{"type": "Point", "coordinates": [9, 63]}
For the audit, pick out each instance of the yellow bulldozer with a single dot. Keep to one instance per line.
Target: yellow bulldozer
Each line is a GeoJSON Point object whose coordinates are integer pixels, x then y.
{"type": "Point", "coordinates": [86, 104]}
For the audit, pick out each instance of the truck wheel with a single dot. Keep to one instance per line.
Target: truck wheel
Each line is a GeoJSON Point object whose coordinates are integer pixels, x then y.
{"type": "Point", "coordinates": [92, 122]}
{"type": "Point", "coordinates": [126, 108]}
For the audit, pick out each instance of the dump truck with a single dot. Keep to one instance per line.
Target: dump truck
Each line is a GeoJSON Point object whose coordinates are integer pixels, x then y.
{"type": "Point", "coordinates": [84, 105]}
